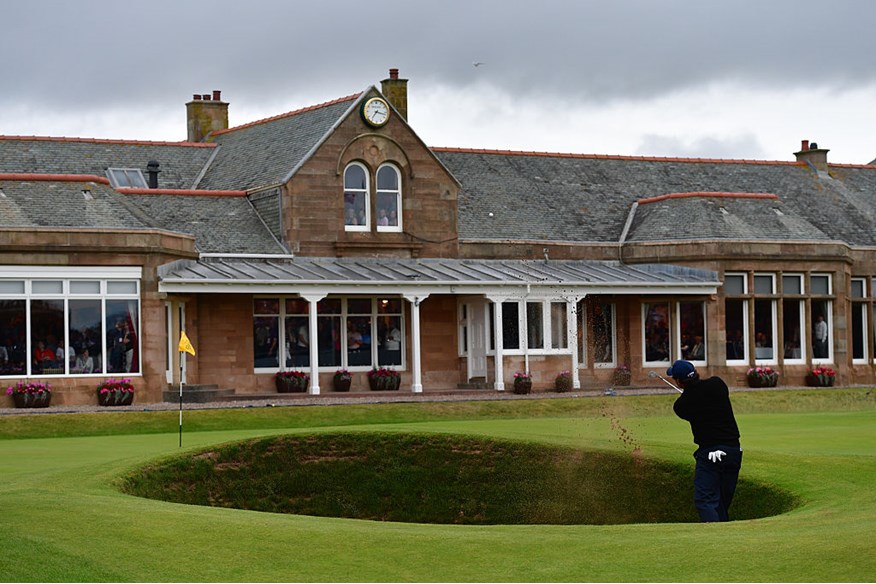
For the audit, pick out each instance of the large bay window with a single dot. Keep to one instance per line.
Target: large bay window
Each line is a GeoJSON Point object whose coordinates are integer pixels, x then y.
{"type": "Point", "coordinates": [655, 322]}
{"type": "Point", "coordinates": [793, 329]}
{"type": "Point", "coordinates": [764, 318]}
{"type": "Point", "coordinates": [535, 326]}
{"type": "Point", "coordinates": [355, 333]}
{"type": "Point", "coordinates": [692, 330]}
{"type": "Point", "coordinates": [859, 320]}
{"type": "Point", "coordinates": [821, 315]}
{"type": "Point", "coordinates": [736, 318]}
{"type": "Point", "coordinates": [70, 322]}
{"type": "Point", "coordinates": [598, 324]}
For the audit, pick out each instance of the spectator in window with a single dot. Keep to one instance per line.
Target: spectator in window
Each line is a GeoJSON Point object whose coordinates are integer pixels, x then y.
{"type": "Point", "coordinates": [43, 357]}
{"type": "Point", "coordinates": [84, 363]}
{"type": "Point", "coordinates": [382, 219]}
{"type": "Point", "coordinates": [819, 349]}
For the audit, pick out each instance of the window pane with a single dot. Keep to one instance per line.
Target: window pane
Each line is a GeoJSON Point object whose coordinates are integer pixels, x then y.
{"type": "Point", "coordinates": [764, 335]}
{"type": "Point", "coordinates": [763, 284]}
{"type": "Point", "coordinates": [859, 330]}
{"type": "Point", "coordinates": [387, 210]}
{"type": "Point", "coordinates": [734, 324]}
{"type": "Point", "coordinates": [792, 284]}
{"type": "Point", "coordinates": [11, 287]}
{"type": "Point", "coordinates": [820, 329]}
{"type": "Point", "coordinates": [329, 336]}
{"type": "Point", "coordinates": [734, 284]}
{"type": "Point", "coordinates": [329, 306]}
{"type": "Point", "coordinates": [792, 312]}
{"type": "Point", "coordinates": [47, 287]}
{"type": "Point", "coordinates": [122, 321]}
{"type": "Point", "coordinates": [657, 332]}
{"type": "Point", "coordinates": [265, 331]}
{"type": "Point", "coordinates": [13, 337]}
{"type": "Point", "coordinates": [820, 284]}
{"type": "Point", "coordinates": [354, 208]}
{"type": "Point", "coordinates": [121, 287]}
{"type": "Point", "coordinates": [85, 331]}
{"type": "Point", "coordinates": [535, 325]}
{"type": "Point", "coordinates": [394, 306]}
{"type": "Point", "coordinates": [387, 179]}
{"type": "Point", "coordinates": [266, 306]}
{"type": "Point", "coordinates": [559, 327]}
{"type": "Point", "coordinates": [47, 336]}
{"type": "Point", "coordinates": [297, 306]}
{"type": "Point", "coordinates": [693, 330]}
{"type": "Point", "coordinates": [858, 289]}
{"type": "Point", "coordinates": [89, 287]}
{"type": "Point", "coordinates": [510, 326]}
{"type": "Point", "coordinates": [359, 306]}
{"type": "Point", "coordinates": [603, 333]}
{"type": "Point", "coordinates": [297, 345]}
{"type": "Point", "coordinates": [359, 341]}
{"type": "Point", "coordinates": [389, 331]}
{"type": "Point", "coordinates": [355, 178]}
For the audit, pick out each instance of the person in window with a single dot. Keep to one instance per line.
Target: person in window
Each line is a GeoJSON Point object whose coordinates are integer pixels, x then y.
{"type": "Point", "coordinates": [351, 217]}
{"type": "Point", "coordinates": [393, 218]}
{"type": "Point", "coordinates": [354, 337]}
{"type": "Point", "coordinates": [84, 362]}
{"type": "Point", "coordinates": [819, 348]}
{"type": "Point", "coordinates": [43, 357]}
{"type": "Point", "coordinates": [117, 340]}
{"type": "Point", "coordinates": [392, 341]}
{"type": "Point", "coordinates": [698, 349]}
{"type": "Point", "coordinates": [382, 219]}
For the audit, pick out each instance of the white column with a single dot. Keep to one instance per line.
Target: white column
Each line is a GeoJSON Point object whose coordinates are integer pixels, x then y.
{"type": "Point", "coordinates": [416, 367]}
{"type": "Point", "coordinates": [497, 335]}
{"type": "Point", "coordinates": [313, 342]}
{"type": "Point", "coordinates": [573, 340]}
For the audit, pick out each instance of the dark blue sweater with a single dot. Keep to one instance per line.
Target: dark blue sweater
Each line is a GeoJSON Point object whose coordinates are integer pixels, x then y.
{"type": "Point", "coordinates": [706, 405]}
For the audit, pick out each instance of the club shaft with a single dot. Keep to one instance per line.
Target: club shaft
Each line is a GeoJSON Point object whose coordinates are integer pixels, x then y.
{"type": "Point", "coordinates": [669, 383]}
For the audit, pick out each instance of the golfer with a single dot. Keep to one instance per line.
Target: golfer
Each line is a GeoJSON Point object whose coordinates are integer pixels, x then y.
{"type": "Point", "coordinates": [705, 403]}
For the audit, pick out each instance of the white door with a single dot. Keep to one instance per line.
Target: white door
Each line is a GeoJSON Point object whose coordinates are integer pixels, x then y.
{"type": "Point", "coordinates": [477, 343]}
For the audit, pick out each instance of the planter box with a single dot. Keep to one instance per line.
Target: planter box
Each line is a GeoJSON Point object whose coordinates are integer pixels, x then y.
{"type": "Point", "coordinates": [522, 386]}
{"type": "Point", "coordinates": [32, 400]}
{"type": "Point", "coordinates": [291, 384]}
{"type": "Point", "coordinates": [384, 382]}
{"type": "Point", "coordinates": [342, 384]}
{"type": "Point", "coordinates": [115, 398]}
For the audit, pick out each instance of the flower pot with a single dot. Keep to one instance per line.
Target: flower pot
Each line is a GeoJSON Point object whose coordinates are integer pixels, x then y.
{"type": "Point", "coordinates": [622, 378]}
{"type": "Point", "coordinates": [522, 386]}
{"type": "Point", "coordinates": [341, 384]}
{"type": "Point", "coordinates": [291, 384]}
{"type": "Point", "coordinates": [32, 400]}
{"type": "Point", "coordinates": [384, 382]}
{"type": "Point", "coordinates": [563, 384]}
{"type": "Point", "coordinates": [819, 380]}
{"type": "Point", "coordinates": [115, 398]}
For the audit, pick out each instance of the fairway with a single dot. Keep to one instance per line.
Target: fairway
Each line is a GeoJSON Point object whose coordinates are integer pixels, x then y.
{"type": "Point", "coordinates": [63, 519]}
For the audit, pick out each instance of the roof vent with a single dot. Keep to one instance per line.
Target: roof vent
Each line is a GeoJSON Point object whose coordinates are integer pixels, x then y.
{"type": "Point", "coordinates": [86, 194]}
{"type": "Point", "coordinates": [2, 194]}
{"type": "Point", "coordinates": [152, 170]}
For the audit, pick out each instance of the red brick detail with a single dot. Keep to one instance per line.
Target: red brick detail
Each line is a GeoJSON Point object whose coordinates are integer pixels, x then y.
{"type": "Point", "coordinates": [108, 141]}
{"type": "Point", "coordinates": [288, 114]}
{"type": "Point", "coordinates": [708, 194]}
{"type": "Point", "coordinates": [55, 177]}
{"type": "Point", "coordinates": [617, 157]}
{"type": "Point", "coordinates": [189, 192]}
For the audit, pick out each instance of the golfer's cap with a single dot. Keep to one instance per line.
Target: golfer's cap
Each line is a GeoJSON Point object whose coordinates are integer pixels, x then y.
{"type": "Point", "coordinates": [681, 369]}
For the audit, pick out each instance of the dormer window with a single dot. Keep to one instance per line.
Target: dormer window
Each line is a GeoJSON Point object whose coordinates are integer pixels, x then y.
{"type": "Point", "coordinates": [388, 198]}
{"type": "Point", "coordinates": [357, 205]}
{"type": "Point", "coordinates": [126, 177]}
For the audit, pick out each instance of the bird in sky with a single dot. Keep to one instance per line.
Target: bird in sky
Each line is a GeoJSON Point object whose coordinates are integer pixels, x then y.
{"type": "Point", "coordinates": [478, 63]}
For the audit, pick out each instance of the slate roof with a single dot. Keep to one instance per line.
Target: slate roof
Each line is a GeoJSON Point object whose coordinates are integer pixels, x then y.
{"type": "Point", "coordinates": [180, 162]}
{"type": "Point", "coordinates": [265, 152]}
{"type": "Point", "coordinates": [405, 273]}
{"type": "Point", "coordinates": [587, 198]}
{"type": "Point", "coordinates": [63, 204]}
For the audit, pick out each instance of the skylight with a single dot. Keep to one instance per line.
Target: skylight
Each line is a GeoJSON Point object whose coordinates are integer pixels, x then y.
{"type": "Point", "coordinates": [126, 177]}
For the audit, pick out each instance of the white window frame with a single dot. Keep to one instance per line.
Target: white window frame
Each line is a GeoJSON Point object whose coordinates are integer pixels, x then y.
{"type": "Point", "coordinates": [524, 349]}
{"type": "Point", "coordinates": [746, 303]}
{"type": "Point", "coordinates": [677, 324]}
{"type": "Point", "coordinates": [613, 332]}
{"type": "Point", "coordinates": [859, 303]}
{"type": "Point", "coordinates": [801, 318]}
{"type": "Point", "coordinates": [366, 191]}
{"type": "Point", "coordinates": [398, 197]}
{"type": "Point", "coordinates": [669, 345]}
{"type": "Point", "coordinates": [773, 320]}
{"type": "Point", "coordinates": [828, 318]}
{"type": "Point", "coordinates": [131, 175]}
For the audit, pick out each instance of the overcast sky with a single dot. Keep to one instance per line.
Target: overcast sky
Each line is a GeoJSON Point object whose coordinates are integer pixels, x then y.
{"type": "Point", "coordinates": [737, 79]}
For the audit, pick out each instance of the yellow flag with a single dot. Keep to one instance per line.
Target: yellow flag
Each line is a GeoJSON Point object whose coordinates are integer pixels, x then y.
{"type": "Point", "coordinates": [185, 344]}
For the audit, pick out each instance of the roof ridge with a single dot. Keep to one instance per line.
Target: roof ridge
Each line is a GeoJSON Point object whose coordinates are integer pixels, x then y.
{"type": "Point", "coordinates": [289, 114]}
{"type": "Point", "coordinates": [107, 141]}
{"type": "Point", "coordinates": [719, 194]}
{"type": "Point", "coordinates": [613, 156]}
{"type": "Point", "coordinates": [54, 177]}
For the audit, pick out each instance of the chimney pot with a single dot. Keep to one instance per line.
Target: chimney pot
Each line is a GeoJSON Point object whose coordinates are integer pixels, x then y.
{"type": "Point", "coordinates": [216, 94]}
{"type": "Point", "coordinates": [206, 97]}
{"type": "Point", "coordinates": [393, 73]}
{"type": "Point", "coordinates": [206, 114]}
{"type": "Point", "coordinates": [804, 145]}
{"type": "Point", "coordinates": [196, 97]}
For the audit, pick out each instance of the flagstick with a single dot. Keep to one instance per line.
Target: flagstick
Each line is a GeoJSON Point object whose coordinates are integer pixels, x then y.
{"type": "Point", "coordinates": [181, 357]}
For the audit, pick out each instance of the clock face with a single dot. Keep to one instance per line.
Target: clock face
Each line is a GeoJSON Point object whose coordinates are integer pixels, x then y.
{"type": "Point", "coordinates": [375, 112]}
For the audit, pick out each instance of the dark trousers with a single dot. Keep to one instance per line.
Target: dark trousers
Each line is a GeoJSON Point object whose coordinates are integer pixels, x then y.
{"type": "Point", "coordinates": [715, 482]}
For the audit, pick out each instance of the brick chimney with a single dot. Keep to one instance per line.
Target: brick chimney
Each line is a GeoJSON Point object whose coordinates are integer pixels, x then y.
{"type": "Point", "coordinates": [814, 155]}
{"type": "Point", "coordinates": [206, 114]}
{"type": "Point", "coordinates": [396, 91]}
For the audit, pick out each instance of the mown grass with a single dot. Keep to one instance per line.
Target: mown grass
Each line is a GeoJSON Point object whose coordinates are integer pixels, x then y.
{"type": "Point", "coordinates": [63, 519]}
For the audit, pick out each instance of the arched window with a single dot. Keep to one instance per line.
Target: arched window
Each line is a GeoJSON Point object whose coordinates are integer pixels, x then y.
{"type": "Point", "coordinates": [357, 207]}
{"type": "Point", "coordinates": [389, 202]}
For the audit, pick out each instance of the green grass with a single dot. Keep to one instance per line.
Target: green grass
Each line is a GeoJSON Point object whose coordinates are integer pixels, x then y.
{"type": "Point", "coordinates": [64, 519]}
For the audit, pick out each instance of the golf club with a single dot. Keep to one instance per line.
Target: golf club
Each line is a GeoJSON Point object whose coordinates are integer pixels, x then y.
{"type": "Point", "coordinates": [653, 374]}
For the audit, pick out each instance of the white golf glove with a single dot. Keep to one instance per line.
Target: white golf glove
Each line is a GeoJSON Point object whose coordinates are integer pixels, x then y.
{"type": "Point", "coordinates": [715, 455]}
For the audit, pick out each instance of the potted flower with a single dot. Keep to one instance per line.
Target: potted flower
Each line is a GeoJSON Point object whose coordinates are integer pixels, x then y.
{"type": "Point", "coordinates": [563, 382]}
{"type": "Point", "coordinates": [622, 376]}
{"type": "Point", "coordinates": [762, 377]}
{"type": "Point", "coordinates": [30, 394]}
{"type": "Point", "coordinates": [820, 377]}
{"type": "Point", "coordinates": [384, 379]}
{"type": "Point", "coordinates": [115, 392]}
{"type": "Point", "coordinates": [342, 380]}
{"type": "Point", "coordinates": [522, 382]}
{"type": "Point", "coordinates": [291, 381]}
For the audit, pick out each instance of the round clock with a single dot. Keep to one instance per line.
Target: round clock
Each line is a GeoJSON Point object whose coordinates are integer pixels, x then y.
{"type": "Point", "coordinates": [375, 112]}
